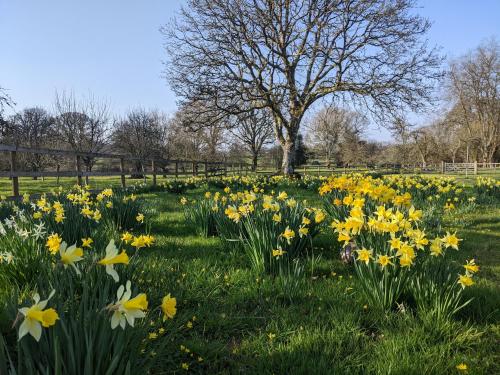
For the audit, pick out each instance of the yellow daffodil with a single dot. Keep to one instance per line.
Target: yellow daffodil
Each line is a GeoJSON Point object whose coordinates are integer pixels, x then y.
{"type": "Point", "coordinates": [364, 255]}
{"type": "Point", "coordinates": [451, 240]}
{"type": "Point", "coordinates": [384, 260]}
{"type": "Point", "coordinates": [140, 218]}
{"type": "Point", "coordinates": [278, 253]}
{"type": "Point", "coordinates": [465, 281]}
{"type": "Point", "coordinates": [168, 306]}
{"type": "Point", "coordinates": [53, 243]}
{"type": "Point", "coordinates": [87, 242]}
{"type": "Point", "coordinates": [288, 234]}
{"type": "Point", "coordinates": [471, 266]}
{"type": "Point", "coordinates": [127, 237]}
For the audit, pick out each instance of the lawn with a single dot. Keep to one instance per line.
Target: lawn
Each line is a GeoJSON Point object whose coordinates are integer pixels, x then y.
{"type": "Point", "coordinates": [246, 324]}
{"type": "Point", "coordinates": [232, 320]}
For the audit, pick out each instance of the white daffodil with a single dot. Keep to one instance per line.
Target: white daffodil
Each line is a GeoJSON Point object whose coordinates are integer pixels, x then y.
{"type": "Point", "coordinates": [126, 310]}
{"type": "Point", "coordinates": [112, 257]}
{"type": "Point", "coordinates": [36, 317]}
{"type": "Point", "coordinates": [70, 256]}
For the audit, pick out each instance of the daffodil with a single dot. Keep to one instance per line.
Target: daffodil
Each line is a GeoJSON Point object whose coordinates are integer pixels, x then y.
{"type": "Point", "coordinates": [70, 256]}
{"type": "Point", "coordinates": [451, 240]}
{"type": "Point", "coordinates": [36, 317]}
{"type": "Point", "coordinates": [168, 306]}
{"type": "Point", "coordinates": [140, 218]}
{"type": "Point", "coordinates": [364, 255]}
{"type": "Point", "coordinates": [278, 253]}
{"type": "Point", "coordinates": [288, 234]}
{"type": "Point", "coordinates": [53, 243]}
{"type": "Point", "coordinates": [126, 310]}
{"type": "Point", "coordinates": [87, 242]}
{"type": "Point", "coordinates": [384, 260]}
{"type": "Point", "coordinates": [471, 266]}
{"type": "Point", "coordinates": [465, 281]}
{"type": "Point", "coordinates": [112, 257]}
{"type": "Point", "coordinates": [127, 237]}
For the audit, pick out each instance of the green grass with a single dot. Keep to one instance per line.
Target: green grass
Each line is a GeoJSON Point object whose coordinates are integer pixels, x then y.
{"type": "Point", "coordinates": [246, 324]}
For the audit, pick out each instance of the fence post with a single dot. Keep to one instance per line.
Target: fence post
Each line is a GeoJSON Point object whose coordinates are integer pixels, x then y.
{"type": "Point", "coordinates": [176, 169]}
{"type": "Point", "coordinates": [225, 168]}
{"type": "Point", "coordinates": [206, 168]}
{"type": "Point", "coordinates": [195, 172]}
{"type": "Point", "coordinates": [240, 169]}
{"type": "Point", "coordinates": [15, 179]}
{"type": "Point", "coordinates": [442, 167]}
{"type": "Point", "coordinates": [153, 167]}
{"type": "Point", "coordinates": [475, 167]}
{"type": "Point", "coordinates": [122, 171]}
{"type": "Point", "coordinates": [78, 166]}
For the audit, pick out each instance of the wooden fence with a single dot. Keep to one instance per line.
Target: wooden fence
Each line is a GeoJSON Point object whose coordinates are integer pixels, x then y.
{"type": "Point", "coordinates": [470, 168]}
{"type": "Point", "coordinates": [85, 164]}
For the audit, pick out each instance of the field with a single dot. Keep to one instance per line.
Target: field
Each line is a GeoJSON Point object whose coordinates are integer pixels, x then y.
{"type": "Point", "coordinates": [234, 317]}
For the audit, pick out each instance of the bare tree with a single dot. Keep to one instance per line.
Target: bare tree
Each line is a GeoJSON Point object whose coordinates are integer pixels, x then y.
{"type": "Point", "coordinates": [332, 125]}
{"type": "Point", "coordinates": [284, 55]}
{"type": "Point", "coordinates": [83, 124]}
{"type": "Point", "coordinates": [253, 129]}
{"type": "Point", "coordinates": [140, 134]}
{"type": "Point", "coordinates": [33, 128]}
{"type": "Point", "coordinates": [5, 101]}
{"type": "Point", "coordinates": [424, 142]}
{"type": "Point", "coordinates": [474, 86]}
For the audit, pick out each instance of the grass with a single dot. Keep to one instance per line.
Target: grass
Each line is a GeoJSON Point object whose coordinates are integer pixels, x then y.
{"type": "Point", "coordinates": [246, 324]}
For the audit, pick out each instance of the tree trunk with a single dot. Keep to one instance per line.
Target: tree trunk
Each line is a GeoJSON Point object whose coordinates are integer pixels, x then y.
{"type": "Point", "coordinates": [255, 156]}
{"type": "Point", "coordinates": [288, 156]}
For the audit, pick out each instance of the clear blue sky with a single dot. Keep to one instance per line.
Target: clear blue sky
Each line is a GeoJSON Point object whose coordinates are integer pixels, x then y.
{"type": "Point", "coordinates": [113, 48]}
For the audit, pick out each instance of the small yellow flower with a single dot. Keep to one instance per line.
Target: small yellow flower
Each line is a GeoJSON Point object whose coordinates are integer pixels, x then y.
{"type": "Point", "coordinates": [37, 215]}
{"type": "Point", "coordinates": [462, 367]}
{"type": "Point", "coordinates": [384, 260]}
{"type": "Point", "coordinates": [140, 218]}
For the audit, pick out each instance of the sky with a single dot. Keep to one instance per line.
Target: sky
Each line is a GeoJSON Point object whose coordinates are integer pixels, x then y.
{"type": "Point", "coordinates": [114, 50]}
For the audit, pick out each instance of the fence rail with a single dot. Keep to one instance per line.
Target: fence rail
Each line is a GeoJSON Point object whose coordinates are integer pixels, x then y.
{"type": "Point", "coordinates": [84, 163]}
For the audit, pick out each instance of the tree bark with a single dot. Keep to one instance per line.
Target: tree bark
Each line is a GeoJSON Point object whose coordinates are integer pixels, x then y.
{"type": "Point", "coordinates": [288, 156]}
{"type": "Point", "coordinates": [255, 157]}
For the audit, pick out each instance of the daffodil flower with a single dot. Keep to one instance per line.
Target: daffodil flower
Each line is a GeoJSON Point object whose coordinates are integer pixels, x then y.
{"type": "Point", "coordinates": [36, 317]}
{"type": "Point", "coordinates": [126, 310]}
{"type": "Point", "coordinates": [70, 256]}
{"type": "Point", "coordinates": [168, 306]}
{"type": "Point", "coordinates": [112, 257]}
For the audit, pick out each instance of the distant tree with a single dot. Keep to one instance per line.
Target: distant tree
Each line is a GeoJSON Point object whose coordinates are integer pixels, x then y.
{"type": "Point", "coordinates": [300, 151]}
{"type": "Point", "coordinates": [425, 143]}
{"type": "Point", "coordinates": [285, 55]}
{"type": "Point", "coordinates": [33, 128]}
{"type": "Point", "coordinates": [140, 134]}
{"type": "Point", "coordinates": [82, 124]}
{"type": "Point", "coordinates": [330, 126]}
{"type": "Point", "coordinates": [474, 88]}
{"type": "Point", "coordinates": [5, 101]}
{"type": "Point", "coordinates": [254, 129]}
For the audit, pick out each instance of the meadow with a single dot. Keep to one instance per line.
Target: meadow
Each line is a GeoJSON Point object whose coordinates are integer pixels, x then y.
{"type": "Point", "coordinates": [254, 275]}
